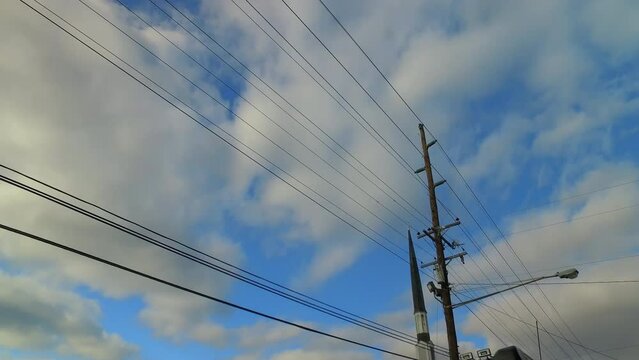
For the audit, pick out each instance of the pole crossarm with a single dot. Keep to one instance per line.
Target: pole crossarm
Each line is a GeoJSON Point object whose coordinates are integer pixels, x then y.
{"type": "Point", "coordinates": [447, 258]}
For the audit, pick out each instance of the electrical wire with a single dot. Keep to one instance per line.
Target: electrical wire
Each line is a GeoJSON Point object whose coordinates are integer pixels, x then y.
{"type": "Point", "coordinates": [197, 293]}
{"type": "Point", "coordinates": [351, 75]}
{"type": "Point", "coordinates": [531, 334]}
{"type": "Point", "coordinates": [588, 216]}
{"type": "Point", "coordinates": [503, 326]}
{"type": "Point", "coordinates": [492, 315]}
{"type": "Point", "coordinates": [443, 151]}
{"type": "Point", "coordinates": [386, 146]}
{"type": "Point", "coordinates": [589, 263]}
{"type": "Point", "coordinates": [53, 22]}
{"type": "Point", "coordinates": [370, 60]}
{"type": "Point", "coordinates": [495, 268]}
{"type": "Point", "coordinates": [208, 35]}
{"type": "Point", "coordinates": [516, 256]}
{"type": "Point", "coordinates": [349, 317]}
{"type": "Point", "coordinates": [578, 195]}
{"type": "Point", "coordinates": [173, 240]}
{"type": "Point", "coordinates": [296, 139]}
{"type": "Point", "coordinates": [244, 121]}
{"type": "Point", "coordinates": [552, 335]}
{"type": "Point", "coordinates": [209, 129]}
{"type": "Point", "coordinates": [216, 134]}
{"type": "Point", "coordinates": [502, 256]}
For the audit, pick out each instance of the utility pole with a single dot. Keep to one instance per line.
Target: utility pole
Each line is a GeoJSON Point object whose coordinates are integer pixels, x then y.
{"type": "Point", "coordinates": [436, 235]}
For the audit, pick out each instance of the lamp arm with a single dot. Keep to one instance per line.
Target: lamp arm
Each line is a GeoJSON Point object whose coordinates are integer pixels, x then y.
{"type": "Point", "coordinates": [501, 291]}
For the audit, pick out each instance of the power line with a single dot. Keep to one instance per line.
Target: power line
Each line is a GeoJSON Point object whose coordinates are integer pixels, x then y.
{"type": "Point", "coordinates": [574, 219]}
{"type": "Point", "coordinates": [168, 101]}
{"type": "Point", "coordinates": [621, 348]}
{"type": "Point", "coordinates": [502, 297]}
{"type": "Point", "coordinates": [501, 255]}
{"type": "Point", "coordinates": [192, 117]}
{"type": "Point", "coordinates": [279, 126]}
{"type": "Point", "coordinates": [577, 265]}
{"type": "Point", "coordinates": [471, 239]}
{"type": "Point", "coordinates": [590, 262]}
{"type": "Point", "coordinates": [552, 335]}
{"type": "Point", "coordinates": [442, 148]}
{"type": "Point", "coordinates": [213, 132]}
{"type": "Point", "coordinates": [323, 307]}
{"type": "Point", "coordinates": [578, 195]}
{"type": "Point", "coordinates": [394, 89]}
{"type": "Point", "coordinates": [281, 35]}
{"type": "Point", "coordinates": [487, 259]}
{"type": "Point", "coordinates": [351, 76]}
{"type": "Point", "coordinates": [420, 121]}
{"type": "Point", "coordinates": [197, 293]}
{"type": "Point", "coordinates": [261, 80]}
{"type": "Point", "coordinates": [465, 207]}
{"type": "Point", "coordinates": [227, 108]}
{"type": "Point", "coordinates": [131, 232]}
{"type": "Point", "coordinates": [516, 256]}
{"type": "Point", "coordinates": [393, 152]}
{"type": "Point", "coordinates": [481, 270]}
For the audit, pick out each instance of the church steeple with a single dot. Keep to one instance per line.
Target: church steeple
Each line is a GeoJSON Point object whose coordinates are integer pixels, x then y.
{"type": "Point", "coordinates": [416, 283]}
{"type": "Point", "coordinates": [425, 349]}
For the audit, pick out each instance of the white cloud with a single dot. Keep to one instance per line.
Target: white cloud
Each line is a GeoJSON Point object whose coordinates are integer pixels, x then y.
{"type": "Point", "coordinates": [261, 334]}
{"type": "Point", "coordinates": [78, 129]}
{"type": "Point", "coordinates": [37, 316]}
{"type": "Point", "coordinates": [73, 120]}
{"type": "Point", "coordinates": [587, 309]}
{"type": "Point", "coordinates": [612, 28]}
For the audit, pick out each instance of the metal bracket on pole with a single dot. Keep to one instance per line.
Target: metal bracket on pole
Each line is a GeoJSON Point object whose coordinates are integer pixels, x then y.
{"type": "Point", "coordinates": [451, 245]}
{"type": "Point", "coordinates": [440, 182]}
{"type": "Point", "coordinates": [460, 256]}
{"type": "Point", "coordinates": [430, 263]}
{"type": "Point", "coordinates": [424, 168]}
{"type": "Point", "coordinates": [447, 258]}
{"type": "Point", "coordinates": [427, 232]}
{"type": "Point", "coordinates": [456, 223]}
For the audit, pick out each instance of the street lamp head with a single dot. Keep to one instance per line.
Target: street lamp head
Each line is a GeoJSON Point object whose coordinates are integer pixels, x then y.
{"type": "Point", "coordinates": [568, 274]}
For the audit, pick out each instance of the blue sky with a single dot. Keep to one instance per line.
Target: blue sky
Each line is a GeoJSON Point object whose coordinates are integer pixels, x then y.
{"type": "Point", "coordinates": [534, 102]}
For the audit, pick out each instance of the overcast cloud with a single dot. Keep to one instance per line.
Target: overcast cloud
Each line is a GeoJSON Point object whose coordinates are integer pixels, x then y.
{"type": "Point", "coordinates": [534, 101]}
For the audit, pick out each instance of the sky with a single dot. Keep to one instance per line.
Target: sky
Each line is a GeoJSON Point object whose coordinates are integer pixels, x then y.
{"type": "Point", "coordinates": [301, 167]}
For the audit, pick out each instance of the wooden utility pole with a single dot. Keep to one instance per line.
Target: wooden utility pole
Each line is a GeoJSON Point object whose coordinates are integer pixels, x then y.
{"type": "Point", "coordinates": [436, 235]}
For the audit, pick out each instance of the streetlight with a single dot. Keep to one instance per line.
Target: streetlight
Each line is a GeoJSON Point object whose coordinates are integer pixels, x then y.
{"type": "Point", "coordinates": [565, 274]}
{"type": "Point", "coordinates": [568, 274]}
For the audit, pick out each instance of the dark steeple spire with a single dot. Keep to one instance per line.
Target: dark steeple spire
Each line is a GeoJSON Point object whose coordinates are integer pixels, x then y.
{"type": "Point", "coordinates": [418, 295]}
{"type": "Point", "coordinates": [419, 308]}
